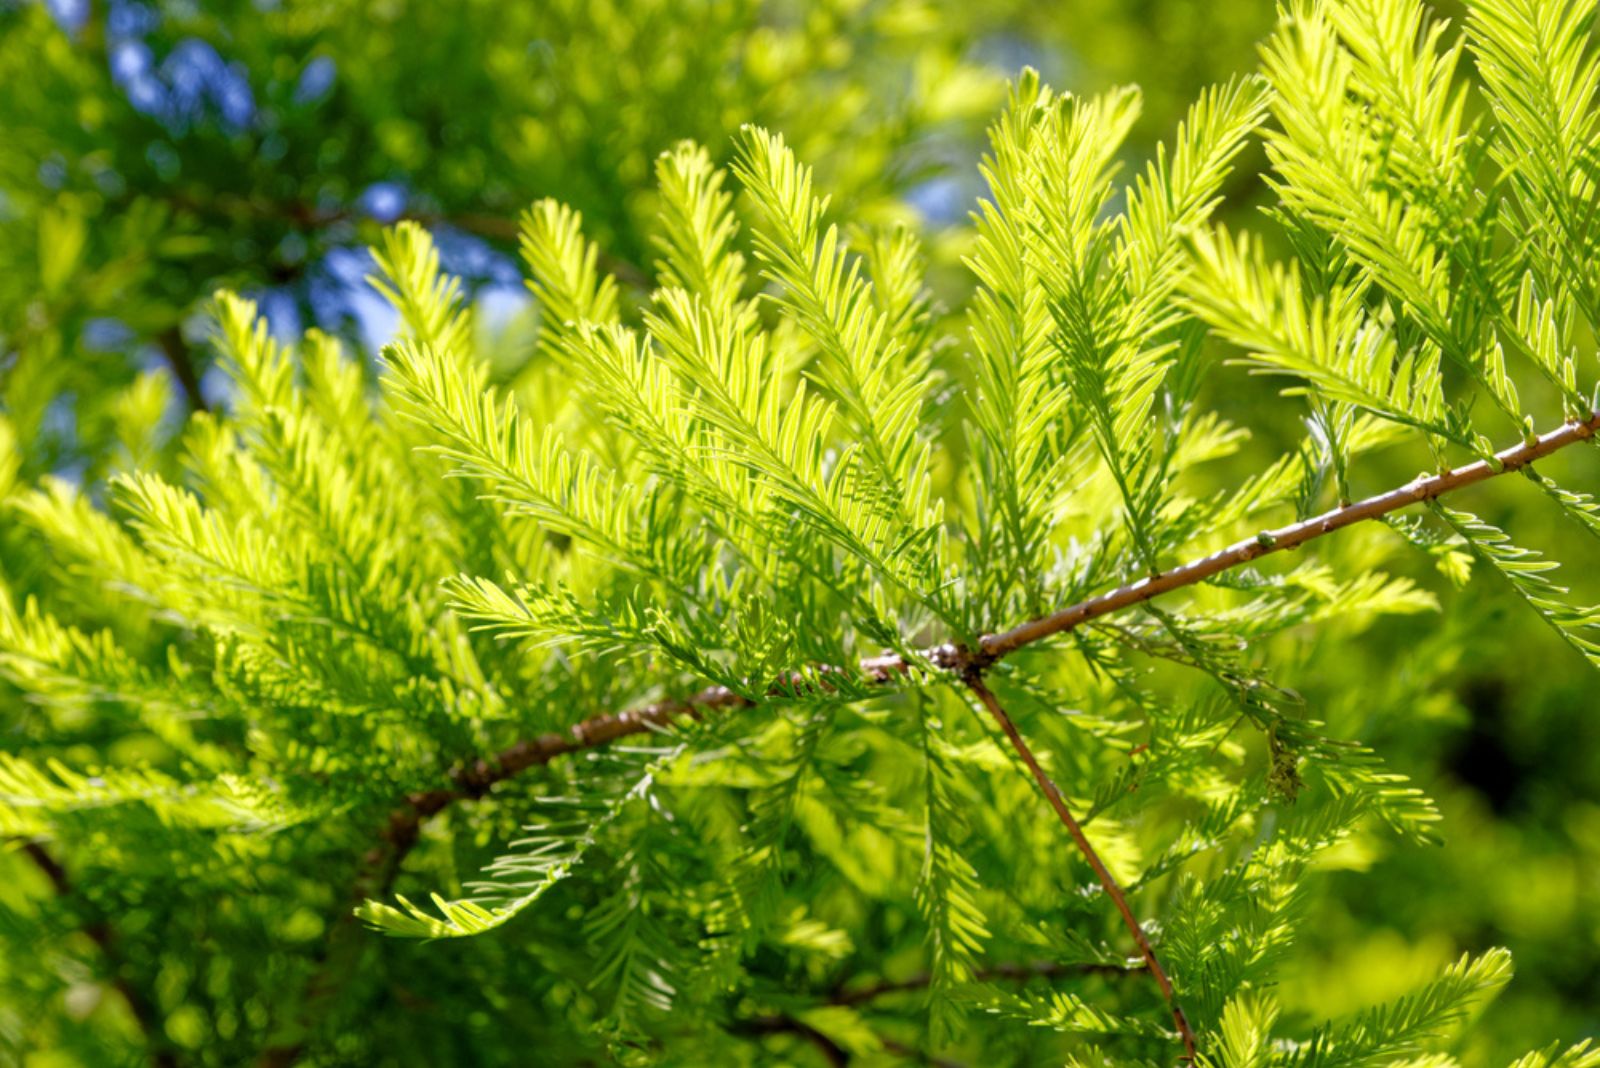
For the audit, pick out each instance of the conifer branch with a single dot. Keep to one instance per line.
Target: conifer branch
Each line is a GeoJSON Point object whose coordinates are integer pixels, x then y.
{"type": "Point", "coordinates": [1418, 491]}
{"type": "Point", "coordinates": [734, 487]}
{"type": "Point", "coordinates": [475, 780]}
{"type": "Point", "coordinates": [1047, 786]}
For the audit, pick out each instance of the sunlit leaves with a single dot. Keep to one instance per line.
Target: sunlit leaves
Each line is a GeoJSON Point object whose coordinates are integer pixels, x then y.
{"type": "Point", "coordinates": [765, 496]}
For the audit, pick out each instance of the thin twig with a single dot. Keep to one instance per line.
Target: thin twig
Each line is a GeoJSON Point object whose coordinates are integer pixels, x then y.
{"type": "Point", "coordinates": [144, 1013]}
{"type": "Point", "coordinates": [1108, 882]}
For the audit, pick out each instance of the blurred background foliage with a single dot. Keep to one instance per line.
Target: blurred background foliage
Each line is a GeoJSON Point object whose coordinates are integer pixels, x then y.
{"type": "Point", "coordinates": [152, 152]}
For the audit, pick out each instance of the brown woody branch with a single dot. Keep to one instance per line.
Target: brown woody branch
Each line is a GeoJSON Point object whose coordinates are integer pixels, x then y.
{"type": "Point", "coordinates": [472, 781]}
{"type": "Point", "coordinates": [1108, 882]}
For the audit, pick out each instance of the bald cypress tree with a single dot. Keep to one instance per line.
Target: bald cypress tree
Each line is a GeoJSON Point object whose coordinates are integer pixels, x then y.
{"type": "Point", "coordinates": [781, 667]}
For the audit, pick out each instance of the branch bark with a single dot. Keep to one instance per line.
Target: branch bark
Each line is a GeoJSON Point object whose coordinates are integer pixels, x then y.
{"type": "Point", "coordinates": [1108, 882]}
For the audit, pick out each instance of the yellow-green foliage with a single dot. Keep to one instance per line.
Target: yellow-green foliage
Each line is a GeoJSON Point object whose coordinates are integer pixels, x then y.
{"type": "Point", "coordinates": [359, 662]}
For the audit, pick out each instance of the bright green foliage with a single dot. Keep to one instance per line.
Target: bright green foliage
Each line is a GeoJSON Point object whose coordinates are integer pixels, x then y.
{"type": "Point", "coordinates": [320, 718]}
